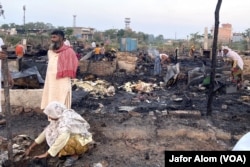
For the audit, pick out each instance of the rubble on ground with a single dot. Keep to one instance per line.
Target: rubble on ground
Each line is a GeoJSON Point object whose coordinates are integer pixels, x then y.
{"type": "Point", "coordinates": [135, 114]}
{"type": "Point", "coordinates": [99, 88]}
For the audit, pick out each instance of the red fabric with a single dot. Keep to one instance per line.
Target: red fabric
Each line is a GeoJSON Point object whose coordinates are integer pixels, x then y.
{"type": "Point", "coordinates": [67, 62]}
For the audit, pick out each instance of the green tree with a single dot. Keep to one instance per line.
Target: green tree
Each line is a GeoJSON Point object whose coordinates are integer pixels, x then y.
{"type": "Point", "coordinates": [12, 25]}
{"type": "Point", "coordinates": [246, 35]}
{"type": "Point", "coordinates": [129, 34]}
{"type": "Point", "coordinates": [97, 36]}
{"type": "Point", "coordinates": [49, 26]}
{"type": "Point", "coordinates": [38, 25]}
{"type": "Point", "coordinates": [120, 33]}
{"type": "Point", "coordinates": [69, 32]}
{"type": "Point", "coordinates": [195, 38]}
{"type": "Point", "coordinates": [111, 33]}
{"type": "Point", "coordinates": [159, 38]}
{"type": "Point", "coordinates": [5, 26]}
{"type": "Point", "coordinates": [61, 28]}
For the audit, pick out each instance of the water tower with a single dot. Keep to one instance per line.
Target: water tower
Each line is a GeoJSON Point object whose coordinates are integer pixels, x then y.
{"type": "Point", "coordinates": [74, 20]}
{"type": "Point", "coordinates": [1, 10]}
{"type": "Point", "coordinates": [127, 22]}
{"type": "Point", "coordinates": [24, 9]}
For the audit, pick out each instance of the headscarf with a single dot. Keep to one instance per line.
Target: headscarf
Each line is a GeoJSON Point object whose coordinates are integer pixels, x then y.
{"type": "Point", "coordinates": [233, 56]}
{"type": "Point", "coordinates": [67, 62]}
{"type": "Point", "coordinates": [225, 48]}
{"type": "Point", "coordinates": [68, 121]}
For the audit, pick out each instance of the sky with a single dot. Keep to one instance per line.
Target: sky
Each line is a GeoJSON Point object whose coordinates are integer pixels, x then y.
{"type": "Point", "coordinates": [174, 19]}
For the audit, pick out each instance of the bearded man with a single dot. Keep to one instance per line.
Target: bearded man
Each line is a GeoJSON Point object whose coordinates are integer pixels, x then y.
{"type": "Point", "coordinates": [62, 66]}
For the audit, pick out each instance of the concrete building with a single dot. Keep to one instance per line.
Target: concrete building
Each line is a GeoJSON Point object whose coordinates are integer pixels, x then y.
{"type": "Point", "coordinates": [83, 33]}
{"type": "Point", "coordinates": [225, 34]}
{"type": "Point", "coordinates": [237, 37]}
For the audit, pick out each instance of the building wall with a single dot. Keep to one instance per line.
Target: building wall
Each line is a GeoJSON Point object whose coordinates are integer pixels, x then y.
{"type": "Point", "coordinates": [237, 37]}
{"type": "Point", "coordinates": [83, 33]}
{"type": "Point", "coordinates": [225, 33]}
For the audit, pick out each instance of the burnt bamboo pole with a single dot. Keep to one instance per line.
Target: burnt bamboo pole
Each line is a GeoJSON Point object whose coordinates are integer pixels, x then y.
{"type": "Point", "coordinates": [213, 65]}
{"type": "Point", "coordinates": [6, 74]}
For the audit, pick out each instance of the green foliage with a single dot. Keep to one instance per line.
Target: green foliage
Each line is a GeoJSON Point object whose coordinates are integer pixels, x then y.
{"type": "Point", "coordinates": [38, 25]}
{"type": "Point", "coordinates": [120, 33]}
{"type": "Point", "coordinates": [114, 36]}
{"type": "Point", "coordinates": [61, 28]}
{"type": "Point", "coordinates": [246, 33]}
{"type": "Point", "coordinates": [242, 45]}
{"type": "Point", "coordinates": [195, 38]}
{"type": "Point", "coordinates": [5, 26]}
{"type": "Point", "coordinates": [68, 32]}
{"type": "Point", "coordinates": [12, 40]}
{"type": "Point", "coordinates": [111, 34]}
{"type": "Point", "coordinates": [97, 36]}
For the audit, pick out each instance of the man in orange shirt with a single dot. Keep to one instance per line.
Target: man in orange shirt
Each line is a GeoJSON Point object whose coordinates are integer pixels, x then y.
{"type": "Point", "coordinates": [19, 50]}
{"type": "Point", "coordinates": [97, 52]}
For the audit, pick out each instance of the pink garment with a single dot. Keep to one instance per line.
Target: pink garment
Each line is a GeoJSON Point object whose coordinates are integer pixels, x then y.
{"type": "Point", "coordinates": [67, 62]}
{"type": "Point", "coordinates": [78, 55]}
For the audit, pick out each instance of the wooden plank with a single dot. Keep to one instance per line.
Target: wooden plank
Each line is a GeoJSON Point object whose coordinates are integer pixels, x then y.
{"type": "Point", "coordinates": [184, 112]}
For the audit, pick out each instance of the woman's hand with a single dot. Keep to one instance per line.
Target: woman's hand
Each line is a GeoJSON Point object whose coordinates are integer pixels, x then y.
{"type": "Point", "coordinates": [42, 155]}
{"type": "Point", "coordinates": [233, 69]}
{"type": "Point", "coordinates": [27, 152]}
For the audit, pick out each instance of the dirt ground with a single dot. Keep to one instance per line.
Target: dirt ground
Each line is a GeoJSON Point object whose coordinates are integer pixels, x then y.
{"type": "Point", "coordinates": [139, 137]}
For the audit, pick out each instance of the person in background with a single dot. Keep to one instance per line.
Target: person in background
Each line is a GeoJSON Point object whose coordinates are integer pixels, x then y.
{"type": "Point", "coordinates": [1, 43]}
{"type": "Point", "coordinates": [237, 65]}
{"type": "Point", "coordinates": [19, 51]}
{"type": "Point", "coordinates": [66, 42]}
{"type": "Point", "coordinates": [160, 59]}
{"type": "Point", "coordinates": [97, 52]}
{"type": "Point", "coordinates": [191, 51]}
{"type": "Point", "coordinates": [220, 53]}
{"type": "Point", "coordinates": [102, 51]}
{"type": "Point", "coordinates": [93, 45]}
{"type": "Point", "coordinates": [176, 54]}
{"type": "Point", "coordinates": [62, 66]}
{"type": "Point", "coordinates": [78, 53]}
{"type": "Point", "coordinates": [3, 55]}
{"type": "Point", "coordinates": [67, 134]}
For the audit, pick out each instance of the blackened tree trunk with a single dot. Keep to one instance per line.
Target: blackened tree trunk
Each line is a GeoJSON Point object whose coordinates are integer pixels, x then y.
{"type": "Point", "coordinates": [5, 70]}
{"type": "Point", "coordinates": [213, 65]}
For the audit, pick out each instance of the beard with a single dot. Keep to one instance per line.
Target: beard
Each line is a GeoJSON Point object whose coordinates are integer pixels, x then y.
{"type": "Point", "coordinates": [55, 45]}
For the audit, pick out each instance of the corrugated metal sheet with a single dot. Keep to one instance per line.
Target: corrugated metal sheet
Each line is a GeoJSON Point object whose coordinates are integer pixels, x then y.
{"type": "Point", "coordinates": [128, 44]}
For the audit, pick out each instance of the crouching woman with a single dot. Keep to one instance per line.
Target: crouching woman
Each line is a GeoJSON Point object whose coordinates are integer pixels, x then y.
{"type": "Point", "coordinates": [66, 135]}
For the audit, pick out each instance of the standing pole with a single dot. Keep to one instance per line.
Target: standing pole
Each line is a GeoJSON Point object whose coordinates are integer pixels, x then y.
{"type": "Point", "coordinates": [213, 65]}
{"type": "Point", "coordinates": [24, 8]}
{"type": "Point", "coordinates": [6, 74]}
